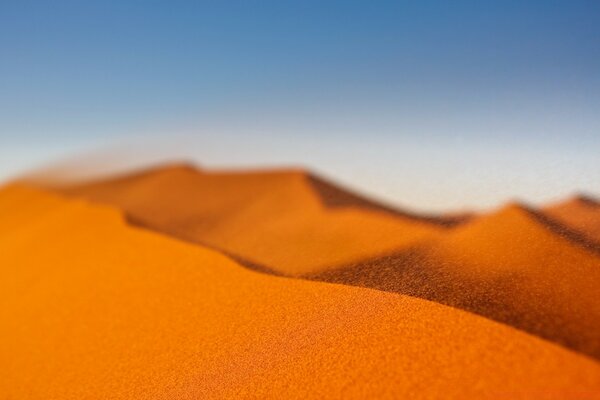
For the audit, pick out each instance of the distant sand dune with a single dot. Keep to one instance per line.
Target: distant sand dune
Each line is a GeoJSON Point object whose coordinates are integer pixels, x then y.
{"type": "Point", "coordinates": [523, 267]}
{"type": "Point", "coordinates": [511, 266]}
{"type": "Point", "coordinates": [287, 221]}
{"type": "Point", "coordinates": [333, 196]}
{"type": "Point", "coordinates": [581, 213]}
{"type": "Point", "coordinates": [94, 308]}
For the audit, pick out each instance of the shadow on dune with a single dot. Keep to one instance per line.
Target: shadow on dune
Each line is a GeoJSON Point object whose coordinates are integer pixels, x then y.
{"type": "Point", "coordinates": [139, 223]}
{"type": "Point", "coordinates": [413, 273]}
{"type": "Point", "coordinates": [417, 271]}
{"type": "Point", "coordinates": [564, 231]}
{"type": "Point", "coordinates": [581, 213]}
{"type": "Point", "coordinates": [333, 196]}
{"type": "Point", "coordinates": [588, 200]}
{"type": "Point", "coordinates": [422, 272]}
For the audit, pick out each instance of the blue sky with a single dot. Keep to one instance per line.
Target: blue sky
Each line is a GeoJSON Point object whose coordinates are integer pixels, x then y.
{"type": "Point", "coordinates": [490, 100]}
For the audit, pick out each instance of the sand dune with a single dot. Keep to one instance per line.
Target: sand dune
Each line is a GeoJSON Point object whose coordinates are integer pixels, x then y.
{"type": "Point", "coordinates": [581, 213]}
{"type": "Point", "coordinates": [513, 266]}
{"type": "Point", "coordinates": [94, 308]}
{"type": "Point", "coordinates": [517, 266]}
{"type": "Point", "coordinates": [288, 222]}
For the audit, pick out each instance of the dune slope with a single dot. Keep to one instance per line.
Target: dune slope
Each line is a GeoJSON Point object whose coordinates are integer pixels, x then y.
{"type": "Point", "coordinates": [517, 266]}
{"type": "Point", "coordinates": [93, 308]}
{"type": "Point", "coordinates": [514, 266]}
{"type": "Point", "coordinates": [289, 222]}
{"type": "Point", "coordinates": [581, 213]}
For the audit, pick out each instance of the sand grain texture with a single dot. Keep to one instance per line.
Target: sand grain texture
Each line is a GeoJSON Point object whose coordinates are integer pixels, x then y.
{"type": "Point", "coordinates": [512, 266]}
{"type": "Point", "coordinates": [537, 271]}
{"type": "Point", "coordinates": [94, 308]}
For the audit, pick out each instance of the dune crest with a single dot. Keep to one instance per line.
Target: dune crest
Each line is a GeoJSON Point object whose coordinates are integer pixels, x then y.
{"type": "Point", "coordinates": [519, 266]}
{"type": "Point", "coordinates": [94, 308]}
{"type": "Point", "coordinates": [287, 221]}
{"type": "Point", "coordinates": [510, 266]}
{"type": "Point", "coordinates": [581, 213]}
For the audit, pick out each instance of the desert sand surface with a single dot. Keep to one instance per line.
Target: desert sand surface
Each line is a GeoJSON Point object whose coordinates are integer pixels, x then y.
{"type": "Point", "coordinates": [93, 307]}
{"type": "Point", "coordinates": [517, 265]}
{"type": "Point", "coordinates": [510, 266]}
{"type": "Point", "coordinates": [581, 213]}
{"type": "Point", "coordinates": [285, 221]}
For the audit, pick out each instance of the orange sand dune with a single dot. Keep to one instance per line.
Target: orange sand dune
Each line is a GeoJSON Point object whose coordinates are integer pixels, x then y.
{"type": "Point", "coordinates": [93, 308]}
{"type": "Point", "coordinates": [517, 266]}
{"type": "Point", "coordinates": [581, 213]}
{"type": "Point", "coordinates": [513, 266]}
{"type": "Point", "coordinates": [288, 221]}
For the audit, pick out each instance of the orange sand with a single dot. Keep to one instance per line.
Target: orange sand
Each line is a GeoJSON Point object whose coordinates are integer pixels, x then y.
{"type": "Point", "coordinates": [580, 213]}
{"type": "Point", "coordinates": [513, 266]}
{"type": "Point", "coordinates": [93, 308]}
{"type": "Point", "coordinates": [533, 277]}
{"type": "Point", "coordinates": [279, 219]}
{"type": "Point", "coordinates": [516, 266]}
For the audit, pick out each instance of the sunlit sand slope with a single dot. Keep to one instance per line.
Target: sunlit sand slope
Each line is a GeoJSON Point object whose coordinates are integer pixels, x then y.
{"type": "Point", "coordinates": [581, 213]}
{"type": "Point", "coordinates": [514, 266]}
{"type": "Point", "coordinates": [517, 266]}
{"type": "Point", "coordinates": [288, 221]}
{"type": "Point", "coordinates": [93, 308]}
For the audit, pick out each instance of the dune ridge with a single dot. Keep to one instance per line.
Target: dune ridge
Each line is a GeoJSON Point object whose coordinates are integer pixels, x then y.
{"type": "Point", "coordinates": [509, 266]}
{"type": "Point", "coordinates": [333, 196]}
{"type": "Point", "coordinates": [519, 266]}
{"type": "Point", "coordinates": [286, 221]}
{"type": "Point", "coordinates": [581, 213]}
{"type": "Point", "coordinates": [95, 308]}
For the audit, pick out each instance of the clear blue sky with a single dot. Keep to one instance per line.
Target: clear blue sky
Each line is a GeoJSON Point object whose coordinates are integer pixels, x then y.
{"type": "Point", "coordinates": [430, 103]}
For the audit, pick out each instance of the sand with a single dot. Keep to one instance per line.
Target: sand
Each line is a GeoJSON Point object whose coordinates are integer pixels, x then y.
{"type": "Point", "coordinates": [95, 308]}
{"type": "Point", "coordinates": [511, 266]}
{"type": "Point", "coordinates": [286, 221]}
{"type": "Point", "coordinates": [581, 213]}
{"type": "Point", "coordinates": [519, 266]}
